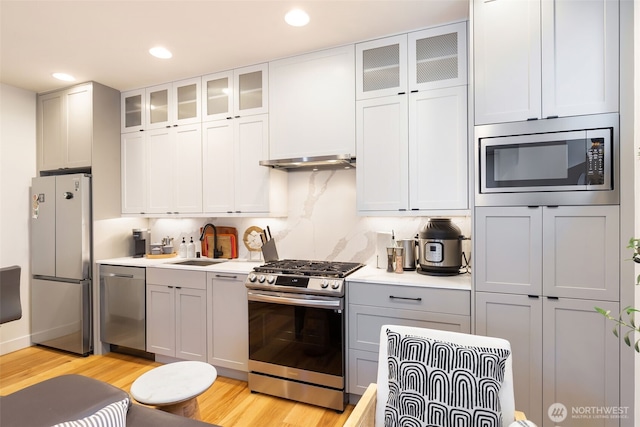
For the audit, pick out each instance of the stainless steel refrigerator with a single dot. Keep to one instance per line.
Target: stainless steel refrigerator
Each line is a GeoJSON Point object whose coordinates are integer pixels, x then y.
{"type": "Point", "coordinates": [61, 262]}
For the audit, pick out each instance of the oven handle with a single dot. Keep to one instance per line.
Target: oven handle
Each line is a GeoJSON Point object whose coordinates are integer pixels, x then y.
{"type": "Point", "coordinates": [294, 301]}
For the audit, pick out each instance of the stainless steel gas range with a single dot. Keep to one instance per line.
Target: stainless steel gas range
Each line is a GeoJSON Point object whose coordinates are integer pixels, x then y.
{"type": "Point", "coordinates": [297, 330]}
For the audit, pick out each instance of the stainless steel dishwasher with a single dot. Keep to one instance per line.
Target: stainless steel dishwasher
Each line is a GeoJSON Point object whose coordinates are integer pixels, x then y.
{"type": "Point", "coordinates": [123, 306]}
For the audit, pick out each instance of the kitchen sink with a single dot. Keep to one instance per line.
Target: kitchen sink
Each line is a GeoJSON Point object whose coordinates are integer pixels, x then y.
{"type": "Point", "coordinates": [200, 263]}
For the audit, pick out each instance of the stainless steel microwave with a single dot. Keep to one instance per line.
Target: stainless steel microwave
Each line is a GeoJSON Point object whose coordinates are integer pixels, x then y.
{"type": "Point", "coordinates": [562, 161]}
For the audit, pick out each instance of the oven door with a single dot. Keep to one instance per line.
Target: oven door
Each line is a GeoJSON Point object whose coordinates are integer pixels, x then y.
{"type": "Point", "coordinates": [298, 337]}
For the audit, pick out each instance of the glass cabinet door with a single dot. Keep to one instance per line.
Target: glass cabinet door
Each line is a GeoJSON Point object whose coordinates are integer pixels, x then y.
{"type": "Point", "coordinates": [217, 96]}
{"type": "Point", "coordinates": [132, 108]}
{"type": "Point", "coordinates": [381, 67]}
{"type": "Point", "coordinates": [158, 106]}
{"type": "Point", "coordinates": [186, 95]}
{"type": "Point", "coordinates": [438, 57]}
{"type": "Point", "coordinates": [251, 94]}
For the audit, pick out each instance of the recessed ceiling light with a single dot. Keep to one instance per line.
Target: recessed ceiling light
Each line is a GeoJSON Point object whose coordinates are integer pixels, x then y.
{"type": "Point", "coordinates": [160, 52]}
{"type": "Point", "coordinates": [297, 18]}
{"type": "Point", "coordinates": [64, 77]}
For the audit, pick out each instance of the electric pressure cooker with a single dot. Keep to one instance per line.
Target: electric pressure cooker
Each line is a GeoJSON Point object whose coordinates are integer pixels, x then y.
{"type": "Point", "coordinates": [440, 248]}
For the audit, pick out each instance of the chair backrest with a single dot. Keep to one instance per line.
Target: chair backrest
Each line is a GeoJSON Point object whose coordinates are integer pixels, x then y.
{"type": "Point", "coordinates": [10, 306]}
{"type": "Point", "coordinates": [505, 395]}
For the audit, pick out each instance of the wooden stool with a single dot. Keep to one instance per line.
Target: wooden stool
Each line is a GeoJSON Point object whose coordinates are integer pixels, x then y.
{"type": "Point", "coordinates": [174, 387]}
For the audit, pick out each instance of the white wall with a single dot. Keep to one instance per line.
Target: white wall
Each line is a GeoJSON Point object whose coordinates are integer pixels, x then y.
{"type": "Point", "coordinates": [17, 167]}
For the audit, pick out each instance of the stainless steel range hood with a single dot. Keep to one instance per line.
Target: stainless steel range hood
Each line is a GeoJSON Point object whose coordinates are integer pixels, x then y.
{"type": "Point", "coordinates": [315, 162]}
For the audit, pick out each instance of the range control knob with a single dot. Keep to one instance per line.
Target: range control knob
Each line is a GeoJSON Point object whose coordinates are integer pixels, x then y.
{"type": "Point", "coordinates": [261, 278]}
{"type": "Point", "coordinates": [335, 284]}
{"type": "Point", "coordinates": [252, 277]}
{"type": "Point", "coordinates": [271, 280]}
{"type": "Point", "coordinates": [324, 284]}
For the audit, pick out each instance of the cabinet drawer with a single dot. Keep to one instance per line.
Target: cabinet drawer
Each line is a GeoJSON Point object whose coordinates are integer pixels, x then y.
{"type": "Point", "coordinates": [365, 323]}
{"type": "Point", "coordinates": [178, 278]}
{"type": "Point", "coordinates": [437, 300]}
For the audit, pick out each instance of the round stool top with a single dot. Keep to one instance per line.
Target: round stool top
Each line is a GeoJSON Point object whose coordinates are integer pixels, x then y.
{"type": "Point", "coordinates": [173, 383]}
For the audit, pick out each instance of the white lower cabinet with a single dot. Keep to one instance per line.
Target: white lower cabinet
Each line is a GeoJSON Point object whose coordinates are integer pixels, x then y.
{"type": "Point", "coordinates": [227, 321]}
{"type": "Point", "coordinates": [563, 352]}
{"type": "Point", "coordinates": [177, 313]}
{"type": "Point", "coordinates": [371, 305]}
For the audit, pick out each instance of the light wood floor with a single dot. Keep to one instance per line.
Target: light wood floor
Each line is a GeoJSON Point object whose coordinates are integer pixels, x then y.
{"type": "Point", "coordinates": [228, 402]}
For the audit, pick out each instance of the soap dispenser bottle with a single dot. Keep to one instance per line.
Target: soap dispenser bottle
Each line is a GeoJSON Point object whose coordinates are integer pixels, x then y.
{"type": "Point", "coordinates": [191, 249]}
{"type": "Point", "coordinates": [182, 249]}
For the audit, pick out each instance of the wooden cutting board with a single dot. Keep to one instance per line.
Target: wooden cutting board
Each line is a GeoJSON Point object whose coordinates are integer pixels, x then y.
{"type": "Point", "coordinates": [227, 239]}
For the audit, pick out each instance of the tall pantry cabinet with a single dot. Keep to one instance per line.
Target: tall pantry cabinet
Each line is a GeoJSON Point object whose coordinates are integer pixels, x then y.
{"type": "Point", "coordinates": [539, 273]}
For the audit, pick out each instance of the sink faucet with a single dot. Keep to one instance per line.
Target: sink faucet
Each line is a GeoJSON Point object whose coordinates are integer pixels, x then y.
{"type": "Point", "coordinates": [216, 253]}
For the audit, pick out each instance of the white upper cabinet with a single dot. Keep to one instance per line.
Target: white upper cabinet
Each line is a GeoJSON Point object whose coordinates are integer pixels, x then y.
{"type": "Point", "coordinates": [166, 105]}
{"type": "Point", "coordinates": [438, 57]}
{"type": "Point", "coordinates": [133, 110]}
{"type": "Point", "coordinates": [312, 105]}
{"type": "Point", "coordinates": [580, 57]}
{"type": "Point", "coordinates": [383, 154]}
{"type": "Point", "coordinates": [438, 168]}
{"type": "Point", "coordinates": [235, 93]}
{"type": "Point", "coordinates": [540, 59]}
{"type": "Point", "coordinates": [217, 96]}
{"type": "Point", "coordinates": [429, 59]}
{"type": "Point", "coordinates": [173, 104]}
{"type": "Point", "coordinates": [381, 67]}
{"type": "Point", "coordinates": [65, 128]}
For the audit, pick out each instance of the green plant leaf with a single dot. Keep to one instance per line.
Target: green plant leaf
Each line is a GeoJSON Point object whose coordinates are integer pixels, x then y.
{"type": "Point", "coordinates": [637, 346]}
{"type": "Point", "coordinates": [615, 332]}
{"type": "Point", "coordinates": [627, 340]}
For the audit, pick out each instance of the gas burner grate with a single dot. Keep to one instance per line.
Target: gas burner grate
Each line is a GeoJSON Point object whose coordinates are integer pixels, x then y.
{"type": "Point", "coordinates": [309, 268]}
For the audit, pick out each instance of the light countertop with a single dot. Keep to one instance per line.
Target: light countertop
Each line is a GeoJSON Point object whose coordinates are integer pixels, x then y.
{"type": "Point", "coordinates": [368, 274]}
{"type": "Point", "coordinates": [222, 265]}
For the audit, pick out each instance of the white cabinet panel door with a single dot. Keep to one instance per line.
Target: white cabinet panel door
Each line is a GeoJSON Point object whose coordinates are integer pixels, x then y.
{"type": "Point", "coordinates": [580, 359]}
{"type": "Point", "coordinates": [160, 170]}
{"type": "Point", "coordinates": [161, 320]}
{"type": "Point", "coordinates": [218, 166]}
{"type": "Point", "coordinates": [508, 248]}
{"type": "Point", "coordinates": [580, 57]}
{"type": "Point", "coordinates": [507, 62]}
{"type": "Point", "coordinates": [191, 324]}
{"type": "Point", "coordinates": [438, 169]}
{"type": "Point", "coordinates": [381, 144]}
{"type": "Point", "coordinates": [133, 170]}
{"type": "Point", "coordinates": [518, 319]}
{"type": "Point", "coordinates": [252, 180]}
{"type": "Point", "coordinates": [581, 256]}
{"type": "Point", "coordinates": [187, 177]}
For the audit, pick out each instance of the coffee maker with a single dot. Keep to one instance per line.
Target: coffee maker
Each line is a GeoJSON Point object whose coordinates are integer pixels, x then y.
{"type": "Point", "coordinates": [141, 241]}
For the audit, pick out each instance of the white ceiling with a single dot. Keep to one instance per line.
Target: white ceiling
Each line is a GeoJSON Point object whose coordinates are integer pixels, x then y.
{"type": "Point", "coordinates": [108, 41]}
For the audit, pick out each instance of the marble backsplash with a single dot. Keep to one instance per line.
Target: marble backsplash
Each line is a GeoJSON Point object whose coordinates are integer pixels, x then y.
{"type": "Point", "coordinates": [322, 223]}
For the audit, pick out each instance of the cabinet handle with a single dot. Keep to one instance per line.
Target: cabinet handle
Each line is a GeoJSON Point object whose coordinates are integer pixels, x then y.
{"type": "Point", "coordinates": [123, 276]}
{"type": "Point", "coordinates": [414, 91]}
{"type": "Point", "coordinates": [170, 287]}
{"type": "Point", "coordinates": [552, 117]}
{"type": "Point", "coordinates": [533, 207]}
{"type": "Point", "coordinates": [533, 296]}
{"type": "Point", "coordinates": [532, 118]}
{"type": "Point", "coordinates": [405, 298]}
{"type": "Point", "coordinates": [229, 118]}
{"type": "Point", "coordinates": [141, 130]}
{"type": "Point", "coordinates": [224, 276]}
{"type": "Point", "coordinates": [553, 298]}
{"type": "Point", "coordinates": [401, 93]}
{"type": "Point", "coordinates": [237, 117]}
{"type": "Point", "coordinates": [178, 287]}
{"type": "Point", "coordinates": [175, 126]}
{"type": "Point", "coordinates": [552, 206]}
{"type": "Point", "coordinates": [168, 126]}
